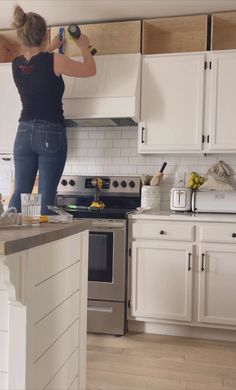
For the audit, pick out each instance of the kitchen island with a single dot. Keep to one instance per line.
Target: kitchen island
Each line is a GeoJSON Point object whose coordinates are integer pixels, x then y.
{"type": "Point", "coordinates": [43, 306]}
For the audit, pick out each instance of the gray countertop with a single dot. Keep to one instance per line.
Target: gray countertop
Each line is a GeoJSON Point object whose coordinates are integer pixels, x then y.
{"type": "Point", "coordinates": [19, 238]}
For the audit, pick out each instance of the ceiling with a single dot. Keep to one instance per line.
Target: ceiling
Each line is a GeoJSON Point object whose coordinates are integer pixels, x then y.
{"type": "Point", "coordinates": [58, 12]}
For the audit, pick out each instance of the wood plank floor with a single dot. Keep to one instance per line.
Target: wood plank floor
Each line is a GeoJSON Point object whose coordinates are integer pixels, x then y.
{"type": "Point", "coordinates": [140, 361]}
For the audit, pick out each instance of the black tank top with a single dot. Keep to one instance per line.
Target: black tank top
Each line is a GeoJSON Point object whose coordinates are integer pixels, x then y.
{"type": "Point", "coordinates": [40, 89]}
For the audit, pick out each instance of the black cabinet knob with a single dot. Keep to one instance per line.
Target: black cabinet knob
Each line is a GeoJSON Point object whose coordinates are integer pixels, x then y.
{"type": "Point", "coordinates": [162, 232]}
{"type": "Point", "coordinates": [234, 235]}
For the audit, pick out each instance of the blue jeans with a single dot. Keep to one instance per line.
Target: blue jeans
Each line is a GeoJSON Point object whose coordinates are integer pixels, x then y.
{"type": "Point", "coordinates": [39, 146]}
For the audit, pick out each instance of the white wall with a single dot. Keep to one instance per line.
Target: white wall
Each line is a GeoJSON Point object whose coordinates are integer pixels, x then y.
{"type": "Point", "coordinates": [112, 151]}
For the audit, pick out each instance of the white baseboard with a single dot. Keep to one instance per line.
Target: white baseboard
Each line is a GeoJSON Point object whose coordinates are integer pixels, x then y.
{"type": "Point", "coordinates": [182, 330]}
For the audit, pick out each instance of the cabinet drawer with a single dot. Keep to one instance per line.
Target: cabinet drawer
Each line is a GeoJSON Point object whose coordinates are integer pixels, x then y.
{"type": "Point", "coordinates": [163, 230]}
{"type": "Point", "coordinates": [212, 232]}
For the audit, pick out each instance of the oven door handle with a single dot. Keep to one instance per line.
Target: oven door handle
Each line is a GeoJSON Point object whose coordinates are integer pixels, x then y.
{"type": "Point", "coordinates": [106, 309]}
{"type": "Point", "coordinates": [98, 225]}
{"type": "Point", "coordinates": [105, 229]}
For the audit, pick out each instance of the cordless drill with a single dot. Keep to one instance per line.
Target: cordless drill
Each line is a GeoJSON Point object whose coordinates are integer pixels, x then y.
{"type": "Point", "coordinates": [75, 33]}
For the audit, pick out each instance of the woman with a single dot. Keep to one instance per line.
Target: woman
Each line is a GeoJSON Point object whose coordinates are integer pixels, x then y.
{"type": "Point", "coordinates": [41, 143]}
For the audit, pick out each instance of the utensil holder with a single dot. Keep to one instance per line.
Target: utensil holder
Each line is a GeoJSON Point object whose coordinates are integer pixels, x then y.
{"type": "Point", "coordinates": [151, 197]}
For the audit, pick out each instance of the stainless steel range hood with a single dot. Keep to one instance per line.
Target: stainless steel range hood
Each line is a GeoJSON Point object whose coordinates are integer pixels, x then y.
{"type": "Point", "coordinates": [100, 122]}
{"type": "Point", "coordinates": [111, 98]}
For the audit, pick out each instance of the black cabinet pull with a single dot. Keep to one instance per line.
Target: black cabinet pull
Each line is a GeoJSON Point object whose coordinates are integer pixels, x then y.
{"type": "Point", "coordinates": [234, 235]}
{"type": "Point", "coordinates": [142, 138]}
{"type": "Point", "coordinates": [189, 261]}
{"type": "Point", "coordinates": [203, 258]}
{"type": "Point", "coordinates": [162, 232]}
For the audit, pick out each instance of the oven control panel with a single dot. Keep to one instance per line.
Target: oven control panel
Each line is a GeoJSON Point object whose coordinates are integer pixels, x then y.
{"type": "Point", "coordinates": [75, 184]}
{"type": "Point", "coordinates": [89, 182]}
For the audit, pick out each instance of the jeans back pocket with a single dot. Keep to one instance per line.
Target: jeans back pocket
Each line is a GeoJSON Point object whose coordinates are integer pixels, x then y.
{"type": "Point", "coordinates": [50, 141]}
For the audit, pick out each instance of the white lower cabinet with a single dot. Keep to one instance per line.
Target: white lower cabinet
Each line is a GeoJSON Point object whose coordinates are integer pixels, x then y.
{"type": "Point", "coordinates": [189, 281]}
{"type": "Point", "coordinates": [217, 287]}
{"type": "Point", "coordinates": [161, 280]}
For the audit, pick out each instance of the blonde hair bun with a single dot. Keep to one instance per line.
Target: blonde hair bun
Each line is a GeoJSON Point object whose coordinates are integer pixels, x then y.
{"type": "Point", "coordinates": [31, 27]}
{"type": "Point", "coordinates": [19, 17]}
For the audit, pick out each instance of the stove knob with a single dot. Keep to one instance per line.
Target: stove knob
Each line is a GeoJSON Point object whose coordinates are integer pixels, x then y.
{"type": "Point", "coordinates": [132, 184]}
{"type": "Point", "coordinates": [115, 183]}
{"type": "Point", "coordinates": [123, 184]}
{"type": "Point", "coordinates": [64, 182]}
{"type": "Point", "coordinates": [72, 183]}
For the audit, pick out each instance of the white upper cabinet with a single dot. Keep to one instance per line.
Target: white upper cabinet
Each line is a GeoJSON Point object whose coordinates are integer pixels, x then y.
{"type": "Point", "coordinates": [220, 100]}
{"type": "Point", "coordinates": [172, 91]}
{"type": "Point", "coordinates": [188, 103]}
{"type": "Point", "coordinates": [10, 108]}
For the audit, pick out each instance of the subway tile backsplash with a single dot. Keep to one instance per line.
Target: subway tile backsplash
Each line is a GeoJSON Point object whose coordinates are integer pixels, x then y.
{"type": "Point", "coordinates": [113, 151]}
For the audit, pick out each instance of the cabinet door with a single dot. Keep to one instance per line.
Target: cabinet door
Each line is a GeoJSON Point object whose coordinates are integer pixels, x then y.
{"type": "Point", "coordinates": [217, 288]}
{"type": "Point", "coordinates": [9, 109]}
{"type": "Point", "coordinates": [220, 100]}
{"type": "Point", "coordinates": [161, 281]}
{"type": "Point", "coordinates": [172, 97]}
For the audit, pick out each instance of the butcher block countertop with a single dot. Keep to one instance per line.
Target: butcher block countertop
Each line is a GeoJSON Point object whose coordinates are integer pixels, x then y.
{"type": "Point", "coordinates": [19, 238]}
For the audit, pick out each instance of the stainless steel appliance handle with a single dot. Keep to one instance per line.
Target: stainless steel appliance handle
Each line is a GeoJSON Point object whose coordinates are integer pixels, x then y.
{"type": "Point", "coordinates": [106, 309]}
{"type": "Point", "coordinates": [107, 224]}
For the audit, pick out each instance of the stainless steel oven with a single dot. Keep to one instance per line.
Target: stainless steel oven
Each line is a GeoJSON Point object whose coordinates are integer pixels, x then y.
{"type": "Point", "coordinates": [107, 273]}
{"type": "Point", "coordinates": [107, 276]}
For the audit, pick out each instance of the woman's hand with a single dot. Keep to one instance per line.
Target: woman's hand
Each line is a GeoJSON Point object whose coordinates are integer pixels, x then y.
{"type": "Point", "coordinates": [56, 43]}
{"type": "Point", "coordinates": [83, 42]}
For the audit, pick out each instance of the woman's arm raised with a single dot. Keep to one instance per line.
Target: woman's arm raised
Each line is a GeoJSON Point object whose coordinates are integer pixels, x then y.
{"type": "Point", "coordinates": [67, 66]}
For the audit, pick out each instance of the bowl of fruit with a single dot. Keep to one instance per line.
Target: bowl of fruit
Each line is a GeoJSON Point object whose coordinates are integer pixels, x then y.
{"type": "Point", "coordinates": [195, 181]}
